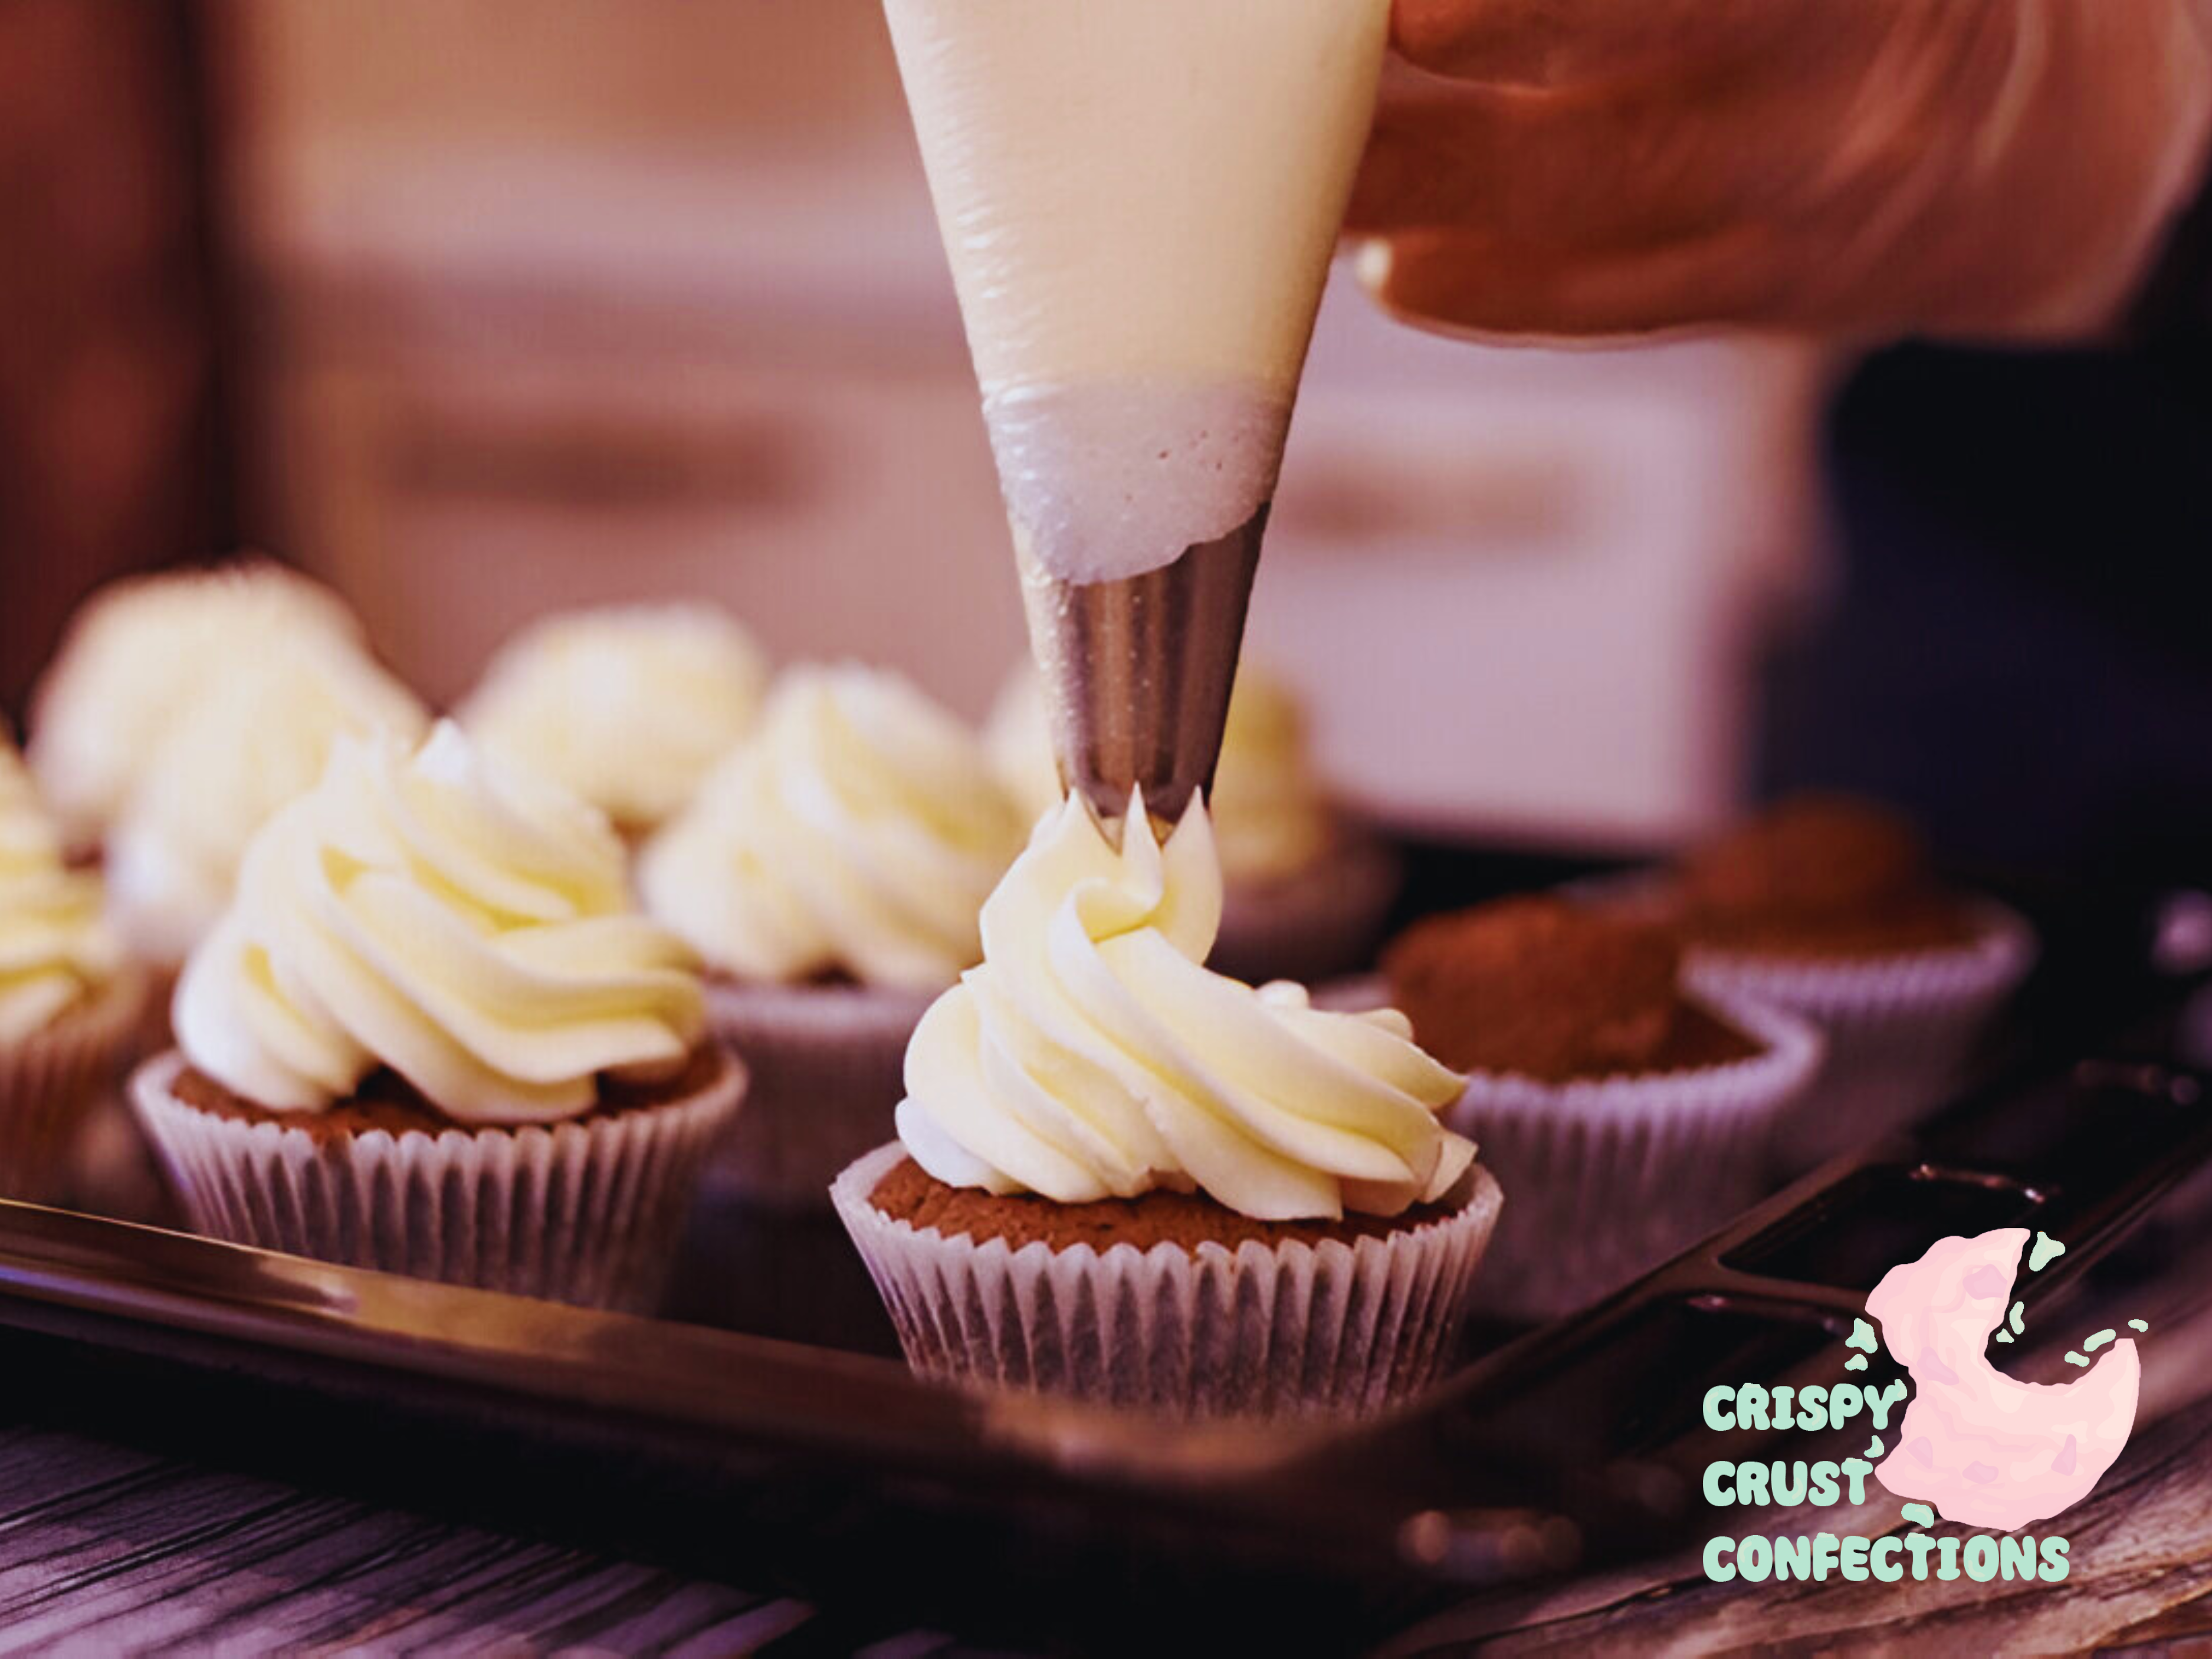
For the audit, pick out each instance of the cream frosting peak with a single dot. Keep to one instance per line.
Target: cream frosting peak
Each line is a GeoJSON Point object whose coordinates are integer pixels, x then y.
{"type": "Point", "coordinates": [253, 739]}
{"type": "Point", "coordinates": [463, 923]}
{"type": "Point", "coordinates": [140, 654]}
{"type": "Point", "coordinates": [55, 951]}
{"type": "Point", "coordinates": [856, 831]}
{"type": "Point", "coordinates": [1093, 1055]}
{"type": "Point", "coordinates": [1139, 199]}
{"type": "Point", "coordinates": [629, 707]}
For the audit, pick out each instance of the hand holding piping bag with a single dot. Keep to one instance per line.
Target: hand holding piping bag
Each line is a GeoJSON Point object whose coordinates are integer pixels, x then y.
{"type": "Point", "coordinates": [1994, 169]}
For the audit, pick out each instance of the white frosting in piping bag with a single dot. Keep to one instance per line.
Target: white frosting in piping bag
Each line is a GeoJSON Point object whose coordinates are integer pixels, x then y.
{"type": "Point", "coordinates": [1140, 199]}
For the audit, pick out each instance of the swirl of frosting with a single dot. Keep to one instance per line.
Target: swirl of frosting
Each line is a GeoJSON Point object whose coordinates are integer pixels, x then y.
{"type": "Point", "coordinates": [463, 923]}
{"type": "Point", "coordinates": [1271, 816]}
{"type": "Point", "coordinates": [140, 654]}
{"type": "Point", "coordinates": [1092, 1056]}
{"type": "Point", "coordinates": [629, 708]}
{"type": "Point", "coordinates": [55, 951]}
{"type": "Point", "coordinates": [258, 736]}
{"type": "Point", "coordinates": [856, 832]}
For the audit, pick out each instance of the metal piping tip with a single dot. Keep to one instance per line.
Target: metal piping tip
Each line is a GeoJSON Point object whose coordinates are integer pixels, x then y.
{"type": "Point", "coordinates": [1137, 671]}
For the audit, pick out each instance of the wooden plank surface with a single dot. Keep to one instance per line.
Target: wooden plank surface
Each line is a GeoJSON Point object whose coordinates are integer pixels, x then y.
{"type": "Point", "coordinates": [108, 1551]}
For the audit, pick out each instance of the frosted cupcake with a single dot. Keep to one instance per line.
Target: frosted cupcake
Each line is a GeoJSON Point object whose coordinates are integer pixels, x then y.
{"type": "Point", "coordinates": [137, 657]}
{"type": "Point", "coordinates": [1828, 907]}
{"type": "Point", "coordinates": [1627, 1119]}
{"type": "Point", "coordinates": [629, 708]}
{"type": "Point", "coordinates": [1123, 1177]}
{"type": "Point", "coordinates": [829, 872]}
{"type": "Point", "coordinates": [1307, 890]}
{"type": "Point", "coordinates": [68, 1005]}
{"type": "Point", "coordinates": [259, 733]}
{"type": "Point", "coordinates": [430, 1036]}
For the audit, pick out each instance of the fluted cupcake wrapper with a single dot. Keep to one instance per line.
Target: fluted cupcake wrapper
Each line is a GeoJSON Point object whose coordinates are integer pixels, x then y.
{"type": "Point", "coordinates": [1900, 1029]}
{"type": "Point", "coordinates": [587, 1211]}
{"type": "Point", "coordinates": [1610, 1177]}
{"type": "Point", "coordinates": [1288, 1330]}
{"type": "Point", "coordinates": [1319, 921]}
{"type": "Point", "coordinates": [828, 1066]}
{"type": "Point", "coordinates": [50, 1078]}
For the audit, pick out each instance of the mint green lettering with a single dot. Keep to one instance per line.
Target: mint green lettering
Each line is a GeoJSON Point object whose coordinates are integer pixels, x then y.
{"type": "Point", "coordinates": [1715, 1569]}
{"type": "Point", "coordinates": [1720, 1398]}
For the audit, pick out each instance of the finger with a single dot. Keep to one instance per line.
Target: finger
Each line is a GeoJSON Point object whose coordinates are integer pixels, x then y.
{"type": "Point", "coordinates": [1558, 42]}
{"type": "Point", "coordinates": [1635, 163]}
{"type": "Point", "coordinates": [1464, 282]}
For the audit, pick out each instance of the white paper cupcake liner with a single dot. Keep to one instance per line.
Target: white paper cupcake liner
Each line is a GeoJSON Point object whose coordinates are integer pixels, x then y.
{"type": "Point", "coordinates": [828, 1065]}
{"type": "Point", "coordinates": [1290, 1330]}
{"type": "Point", "coordinates": [1900, 1029]}
{"type": "Point", "coordinates": [587, 1211]}
{"type": "Point", "coordinates": [1317, 922]}
{"type": "Point", "coordinates": [1610, 1177]}
{"type": "Point", "coordinates": [49, 1080]}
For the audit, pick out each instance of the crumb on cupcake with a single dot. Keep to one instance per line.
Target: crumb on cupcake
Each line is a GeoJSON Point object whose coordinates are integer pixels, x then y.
{"type": "Point", "coordinates": [1548, 989]}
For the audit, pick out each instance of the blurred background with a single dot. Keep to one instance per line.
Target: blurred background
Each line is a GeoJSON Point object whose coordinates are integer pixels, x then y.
{"type": "Point", "coordinates": [478, 308]}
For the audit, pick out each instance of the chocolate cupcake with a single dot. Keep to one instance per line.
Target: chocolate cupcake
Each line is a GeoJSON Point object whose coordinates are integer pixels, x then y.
{"type": "Point", "coordinates": [181, 710]}
{"type": "Point", "coordinates": [68, 1004]}
{"type": "Point", "coordinates": [829, 872]}
{"type": "Point", "coordinates": [1827, 907]}
{"type": "Point", "coordinates": [1627, 1118]}
{"type": "Point", "coordinates": [429, 1036]}
{"type": "Point", "coordinates": [1124, 1177]}
{"type": "Point", "coordinates": [1306, 890]}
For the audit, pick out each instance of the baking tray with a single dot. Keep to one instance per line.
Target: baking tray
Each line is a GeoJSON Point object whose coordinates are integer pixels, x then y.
{"type": "Point", "coordinates": [764, 1431]}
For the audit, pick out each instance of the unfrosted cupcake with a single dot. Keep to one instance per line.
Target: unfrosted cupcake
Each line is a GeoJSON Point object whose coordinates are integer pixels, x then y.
{"type": "Point", "coordinates": [1307, 890]}
{"type": "Point", "coordinates": [829, 872]}
{"type": "Point", "coordinates": [1627, 1119]}
{"type": "Point", "coordinates": [137, 657]}
{"type": "Point", "coordinates": [430, 1036]}
{"type": "Point", "coordinates": [1828, 907]}
{"type": "Point", "coordinates": [627, 706]}
{"type": "Point", "coordinates": [1123, 1177]}
{"type": "Point", "coordinates": [68, 1003]}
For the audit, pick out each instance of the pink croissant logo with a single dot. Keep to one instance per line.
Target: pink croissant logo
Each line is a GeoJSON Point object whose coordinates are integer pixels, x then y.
{"type": "Point", "coordinates": [1984, 1449]}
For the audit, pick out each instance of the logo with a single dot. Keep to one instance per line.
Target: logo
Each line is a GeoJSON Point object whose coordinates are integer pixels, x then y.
{"type": "Point", "coordinates": [1974, 1446]}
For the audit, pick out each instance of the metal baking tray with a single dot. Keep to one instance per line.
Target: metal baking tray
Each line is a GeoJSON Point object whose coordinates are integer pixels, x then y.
{"type": "Point", "coordinates": [764, 1431]}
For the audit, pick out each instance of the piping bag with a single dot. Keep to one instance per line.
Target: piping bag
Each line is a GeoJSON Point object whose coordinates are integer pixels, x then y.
{"type": "Point", "coordinates": [1140, 200]}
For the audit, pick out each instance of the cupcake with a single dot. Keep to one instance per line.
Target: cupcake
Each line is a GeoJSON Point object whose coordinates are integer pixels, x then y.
{"type": "Point", "coordinates": [68, 1004]}
{"type": "Point", "coordinates": [629, 708]}
{"type": "Point", "coordinates": [430, 1036]}
{"type": "Point", "coordinates": [1307, 890]}
{"type": "Point", "coordinates": [259, 733]}
{"type": "Point", "coordinates": [1122, 1177]}
{"type": "Point", "coordinates": [136, 658]}
{"type": "Point", "coordinates": [1827, 907]}
{"type": "Point", "coordinates": [829, 872]}
{"type": "Point", "coordinates": [1628, 1119]}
